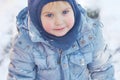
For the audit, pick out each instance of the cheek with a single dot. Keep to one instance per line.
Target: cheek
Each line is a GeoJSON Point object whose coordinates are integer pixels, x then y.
{"type": "Point", "coordinates": [47, 25]}
{"type": "Point", "coordinates": [70, 21]}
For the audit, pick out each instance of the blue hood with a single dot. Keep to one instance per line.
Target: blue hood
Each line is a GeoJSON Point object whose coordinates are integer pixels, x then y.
{"type": "Point", "coordinates": [64, 42]}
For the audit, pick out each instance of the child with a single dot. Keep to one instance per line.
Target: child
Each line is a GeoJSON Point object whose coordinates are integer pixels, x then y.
{"type": "Point", "coordinates": [57, 41]}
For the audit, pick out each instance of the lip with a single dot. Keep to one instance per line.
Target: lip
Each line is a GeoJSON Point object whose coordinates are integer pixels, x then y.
{"type": "Point", "coordinates": [59, 29]}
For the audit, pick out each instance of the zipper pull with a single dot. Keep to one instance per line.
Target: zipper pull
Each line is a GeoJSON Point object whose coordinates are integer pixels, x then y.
{"type": "Point", "coordinates": [60, 53]}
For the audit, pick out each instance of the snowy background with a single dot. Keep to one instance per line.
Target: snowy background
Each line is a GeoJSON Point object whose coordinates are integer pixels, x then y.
{"type": "Point", "coordinates": [109, 15]}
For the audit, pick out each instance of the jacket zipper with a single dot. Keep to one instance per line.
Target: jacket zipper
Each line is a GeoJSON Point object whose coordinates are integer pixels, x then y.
{"type": "Point", "coordinates": [59, 61]}
{"type": "Point", "coordinates": [60, 53]}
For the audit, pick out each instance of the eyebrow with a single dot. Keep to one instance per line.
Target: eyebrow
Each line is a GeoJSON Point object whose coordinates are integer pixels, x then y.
{"type": "Point", "coordinates": [46, 12]}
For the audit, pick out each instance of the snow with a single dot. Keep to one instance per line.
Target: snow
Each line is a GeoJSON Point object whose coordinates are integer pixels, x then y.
{"type": "Point", "coordinates": [8, 11]}
{"type": "Point", "coordinates": [109, 15]}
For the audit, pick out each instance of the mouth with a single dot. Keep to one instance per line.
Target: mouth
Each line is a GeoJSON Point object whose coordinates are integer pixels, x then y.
{"type": "Point", "coordinates": [59, 29]}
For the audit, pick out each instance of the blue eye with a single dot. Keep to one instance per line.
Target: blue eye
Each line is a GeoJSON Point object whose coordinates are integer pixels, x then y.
{"type": "Point", "coordinates": [65, 11]}
{"type": "Point", "coordinates": [49, 15]}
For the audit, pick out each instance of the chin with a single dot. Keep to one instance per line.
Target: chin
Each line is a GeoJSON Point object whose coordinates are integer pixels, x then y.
{"type": "Point", "coordinates": [61, 35]}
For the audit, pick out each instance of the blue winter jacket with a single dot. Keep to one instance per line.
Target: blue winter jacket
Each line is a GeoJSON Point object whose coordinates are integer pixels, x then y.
{"type": "Point", "coordinates": [33, 58]}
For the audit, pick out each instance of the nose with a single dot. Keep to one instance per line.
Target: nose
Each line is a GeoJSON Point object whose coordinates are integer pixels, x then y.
{"type": "Point", "coordinates": [59, 20]}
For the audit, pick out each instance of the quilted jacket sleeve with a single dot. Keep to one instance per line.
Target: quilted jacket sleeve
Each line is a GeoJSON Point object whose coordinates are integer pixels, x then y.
{"type": "Point", "coordinates": [21, 66]}
{"type": "Point", "coordinates": [101, 67]}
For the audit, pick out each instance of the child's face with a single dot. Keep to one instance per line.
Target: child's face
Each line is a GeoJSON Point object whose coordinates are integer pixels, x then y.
{"type": "Point", "coordinates": [57, 18]}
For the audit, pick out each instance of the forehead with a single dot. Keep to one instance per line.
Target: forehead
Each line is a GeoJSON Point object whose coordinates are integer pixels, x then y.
{"type": "Point", "coordinates": [56, 5]}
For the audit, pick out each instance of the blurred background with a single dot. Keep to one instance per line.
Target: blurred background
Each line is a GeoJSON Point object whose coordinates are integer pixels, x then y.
{"type": "Point", "coordinates": [107, 11]}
